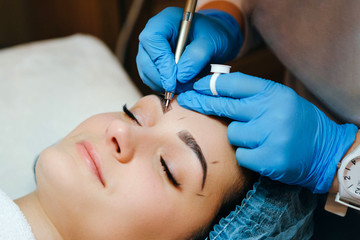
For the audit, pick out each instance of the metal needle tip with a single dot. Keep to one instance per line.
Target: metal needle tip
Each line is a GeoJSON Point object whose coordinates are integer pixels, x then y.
{"type": "Point", "coordinates": [168, 97]}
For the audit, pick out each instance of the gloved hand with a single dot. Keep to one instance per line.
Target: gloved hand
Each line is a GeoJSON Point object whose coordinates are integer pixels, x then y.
{"type": "Point", "coordinates": [214, 36]}
{"type": "Point", "coordinates": [278, 133]}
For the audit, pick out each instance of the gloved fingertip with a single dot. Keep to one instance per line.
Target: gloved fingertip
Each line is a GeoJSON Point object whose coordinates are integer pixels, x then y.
{"type": "Point", "coordinates": [183, 98]}
{"type": "Point", "coordinates": [197, 86]}
{"type": "Point", "coordinates": [187, 99]}
{"type": "Point", "coordinates": [239, 157]}
{"type": "Point", "coordinates": [185, 75]}
{"type": "Point", "coordinates": [169, 85]}
{"type": "Point", "coordinates": [203, 85]}
{"type": "Point", "coordinates": [183, 79]}
{"type": "Point", "coordinates": [242, 157]}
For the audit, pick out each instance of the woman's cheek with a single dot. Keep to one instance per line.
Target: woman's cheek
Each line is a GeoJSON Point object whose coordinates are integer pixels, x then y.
{"type": "Point", "coordinates": [142, 188]}
{"type": "Point", "coordinates": [146, 200]}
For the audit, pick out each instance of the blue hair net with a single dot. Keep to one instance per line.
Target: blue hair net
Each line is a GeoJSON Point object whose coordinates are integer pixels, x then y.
{"type": "Point", "coordinates": [271, 210]}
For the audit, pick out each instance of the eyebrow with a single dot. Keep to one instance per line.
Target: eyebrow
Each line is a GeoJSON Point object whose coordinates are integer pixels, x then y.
{"type": "Point", "coordinates": [190, 141]}
{"type": "Point", "coordinates": [163, 103]}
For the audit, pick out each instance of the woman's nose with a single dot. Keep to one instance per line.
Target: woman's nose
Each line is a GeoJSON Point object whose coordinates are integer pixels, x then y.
{"type": "Point", "coordinates": [119, 136]}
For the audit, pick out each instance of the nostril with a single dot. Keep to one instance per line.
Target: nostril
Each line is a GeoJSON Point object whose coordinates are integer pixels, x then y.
{"type": "Point", "coordinates": [116, 144]}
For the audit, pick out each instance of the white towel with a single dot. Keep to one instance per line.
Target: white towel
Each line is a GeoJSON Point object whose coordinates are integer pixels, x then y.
{"type": "Point", "coordinates": [13, 225]}
{"type": "Point", "coordinates": [46, 89]}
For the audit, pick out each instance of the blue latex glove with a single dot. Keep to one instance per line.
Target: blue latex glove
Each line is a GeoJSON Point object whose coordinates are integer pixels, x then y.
{"type": "Point", "coordinates": [278, 133]}
{"type": "Point", "coordinates": [214, 36]}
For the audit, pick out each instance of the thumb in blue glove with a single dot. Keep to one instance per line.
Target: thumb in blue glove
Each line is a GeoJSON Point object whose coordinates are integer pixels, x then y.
{"type": "Point", "coordinates": [214, 36]}
{"type": "Point", "coordinates": [278, 133]}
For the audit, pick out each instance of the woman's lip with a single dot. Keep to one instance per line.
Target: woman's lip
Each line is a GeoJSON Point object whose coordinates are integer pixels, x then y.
{"type": "Point", "coordinates": [91, 158]}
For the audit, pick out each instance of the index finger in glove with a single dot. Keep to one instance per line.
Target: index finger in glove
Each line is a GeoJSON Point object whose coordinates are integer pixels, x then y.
{"type": "Point", "coordinates": [156, 39]}
{"type": "Point", "coordinates": [147, 70]}
{"type": "Point", "coordinates": [235, 109]}
{"type": "Point", "coordinates": [234, 85]}
{"type": "Point", "coordinates": [161, 55]}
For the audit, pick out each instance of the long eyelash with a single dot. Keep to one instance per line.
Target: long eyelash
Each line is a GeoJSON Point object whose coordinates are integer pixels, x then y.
{"type": "Point", "coordinates": [130, 115]}
{"type": "Point", "coordinates": [168, 173]}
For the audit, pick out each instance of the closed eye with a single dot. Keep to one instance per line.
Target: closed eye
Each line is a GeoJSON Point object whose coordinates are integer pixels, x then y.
{"type": "Point", "coordinates": [168, 173]}
{"type": "Point", "coordinates": [130, 114]}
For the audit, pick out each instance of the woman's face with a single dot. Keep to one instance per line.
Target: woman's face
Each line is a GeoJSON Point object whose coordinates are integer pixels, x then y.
{"type": "Point", "coordinates": [160, 177]}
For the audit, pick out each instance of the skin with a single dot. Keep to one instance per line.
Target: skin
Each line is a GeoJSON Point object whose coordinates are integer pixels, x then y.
{"type": "Point", "coordinates": [134, 199]}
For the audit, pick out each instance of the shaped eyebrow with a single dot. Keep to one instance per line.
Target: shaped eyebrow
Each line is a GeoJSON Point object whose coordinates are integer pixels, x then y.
{"type": "Point", "coordinates": [190, 141]}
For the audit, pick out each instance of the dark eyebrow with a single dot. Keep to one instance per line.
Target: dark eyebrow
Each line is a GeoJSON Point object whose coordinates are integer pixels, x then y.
{"type": "Point", "coordinates": [190, 141]}
{"type": "Point", "coordinates": [163, 103]}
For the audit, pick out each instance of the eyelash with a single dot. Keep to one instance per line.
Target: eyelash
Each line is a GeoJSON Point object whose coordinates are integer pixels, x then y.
{"type": "Point", "coordinates": [163, 163]}
{"type": "Point", "coordinates": [168, 173]}
{"type": "Point", "coordinates": [130, 114]}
